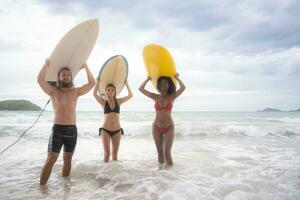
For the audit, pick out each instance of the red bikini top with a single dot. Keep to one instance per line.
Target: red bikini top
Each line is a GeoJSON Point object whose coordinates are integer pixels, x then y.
{"type": "Point", "coordinates": [168, 106]}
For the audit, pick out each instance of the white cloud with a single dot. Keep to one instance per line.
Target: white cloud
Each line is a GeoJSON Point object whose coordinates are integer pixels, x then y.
{"type": "Point", "coordinates": [230, 59]}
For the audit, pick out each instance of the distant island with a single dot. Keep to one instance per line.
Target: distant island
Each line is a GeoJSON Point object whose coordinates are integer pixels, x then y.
{"type": "Point", "coordinates": [276, 110]}
{"type": "Point", "coordinates": [18, 105]}
{"type": "Point", "coordinates": [298, 110]}
{"type": "Point", "coordinates": [269, 110]}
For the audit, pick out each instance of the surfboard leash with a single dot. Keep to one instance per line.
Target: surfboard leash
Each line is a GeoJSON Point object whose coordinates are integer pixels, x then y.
{"type": "Point", "coordinates": [26, 129]}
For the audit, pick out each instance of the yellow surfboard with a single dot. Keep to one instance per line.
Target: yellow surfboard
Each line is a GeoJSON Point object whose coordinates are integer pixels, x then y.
{"type": "Point", "coordinates": [158, 62]}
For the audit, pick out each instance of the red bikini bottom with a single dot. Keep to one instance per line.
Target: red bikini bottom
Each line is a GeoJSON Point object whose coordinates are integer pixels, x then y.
{"type": "Point", "coordinates": [163, 130]}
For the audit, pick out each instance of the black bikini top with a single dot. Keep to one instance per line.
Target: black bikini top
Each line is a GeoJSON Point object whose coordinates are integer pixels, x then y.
{"type": "Point", "coordinates": [107, 108]}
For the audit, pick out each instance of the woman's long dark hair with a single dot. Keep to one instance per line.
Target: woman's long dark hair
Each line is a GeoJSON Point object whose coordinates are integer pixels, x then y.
{"type": "Point", "coordinates": [172, 87]}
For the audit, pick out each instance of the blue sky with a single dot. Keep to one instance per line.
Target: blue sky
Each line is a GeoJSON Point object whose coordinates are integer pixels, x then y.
{"type": "Point", "coordinates": [232, 55]}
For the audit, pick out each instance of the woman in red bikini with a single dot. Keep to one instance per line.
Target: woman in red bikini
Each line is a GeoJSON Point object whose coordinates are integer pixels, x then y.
{"type": "Point", "coordinates": [163, 125]}
{"type": "Point", "coordinates": [111, 129]}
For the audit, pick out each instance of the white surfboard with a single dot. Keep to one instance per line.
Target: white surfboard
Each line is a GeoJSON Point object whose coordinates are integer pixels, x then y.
{"type": "Point", "coordinates": [115, 71]}
{"type": "Point", "coordinates": [73, 49]}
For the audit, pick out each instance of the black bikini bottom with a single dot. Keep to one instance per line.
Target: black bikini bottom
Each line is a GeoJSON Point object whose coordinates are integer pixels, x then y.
{"type": "Point", "coordinates": [111, 133]}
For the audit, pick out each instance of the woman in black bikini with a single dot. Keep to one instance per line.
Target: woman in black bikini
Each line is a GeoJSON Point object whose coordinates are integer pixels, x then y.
{"type": "Point", "coordinates": [163, 125]}
{"type": "Point", "coordinates": [111, 129]}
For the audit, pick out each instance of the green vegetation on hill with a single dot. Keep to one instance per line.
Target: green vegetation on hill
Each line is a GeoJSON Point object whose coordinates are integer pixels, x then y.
{"type": "Point", "coordinates": [18, 105]}
{"type": "Point", "coordinates": [269, 110]}
{"type": "Point", "coordinates": [276, 110]}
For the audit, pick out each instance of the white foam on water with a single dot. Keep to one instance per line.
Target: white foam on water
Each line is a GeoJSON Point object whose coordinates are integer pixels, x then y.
{"type": "Point", "coordinates": [234, 159]}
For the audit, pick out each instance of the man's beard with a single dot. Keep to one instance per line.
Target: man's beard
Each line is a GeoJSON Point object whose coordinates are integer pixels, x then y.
{"type": "Point", "coordinates": [62, 84]}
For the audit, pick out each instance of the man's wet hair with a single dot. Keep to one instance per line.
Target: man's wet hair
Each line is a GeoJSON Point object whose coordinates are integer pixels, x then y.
{"type": "Point", "coordinates": [59, 84]}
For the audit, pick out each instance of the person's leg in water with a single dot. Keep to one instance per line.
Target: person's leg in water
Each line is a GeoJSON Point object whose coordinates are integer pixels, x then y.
{"type": "Point", "coordinates": [168, 142]}
{"type": "Point", "coordinates": [67, 164]}
{"type": "Point", "coordinates": [47, 168]}
{"type": "Point", "coordinates": [69, 140]}
{"type": "Point", "coordinates": [115, 140]}
{"type": "Point", "coordinates": [54, 146]}
{"type": "Point", "coordinates": [158, 139]}
{"type": "Point", "coordinates": [106, 145]}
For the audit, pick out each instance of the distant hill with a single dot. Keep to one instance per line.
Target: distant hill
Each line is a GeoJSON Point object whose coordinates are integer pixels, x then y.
{"type": "Point", "coordinates": [276, 110]}
{"type": "Point", "coordinates": [269, 110]}
{"type": "Point", "coordinates": [298, 110]}
{"type": "Point", "coordinates": [18, 105]}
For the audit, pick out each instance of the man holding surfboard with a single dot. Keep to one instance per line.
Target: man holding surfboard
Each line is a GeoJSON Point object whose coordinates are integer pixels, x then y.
{"type": "Point", "coordinates": [64, 132]}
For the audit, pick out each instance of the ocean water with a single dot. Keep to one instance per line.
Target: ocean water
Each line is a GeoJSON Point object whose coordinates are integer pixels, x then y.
{"type": "Point", "coordinates": [217, 155]}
